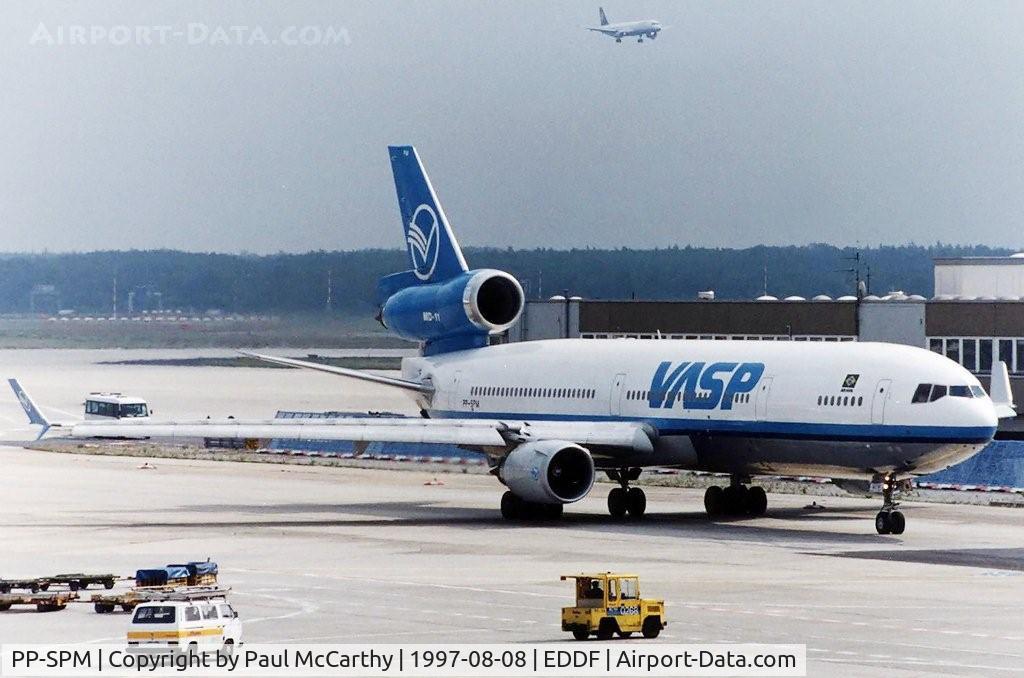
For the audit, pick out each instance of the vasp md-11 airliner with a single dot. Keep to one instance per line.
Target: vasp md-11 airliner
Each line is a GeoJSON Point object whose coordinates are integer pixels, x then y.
{"type": "Point", "coordinates": [550, 415]}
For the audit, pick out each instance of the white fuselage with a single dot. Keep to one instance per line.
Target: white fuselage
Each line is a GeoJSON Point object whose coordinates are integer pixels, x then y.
{"type": "Point", "coordinates": [627, 29]}
{"type": "Point", "coordinates": [832, 409]}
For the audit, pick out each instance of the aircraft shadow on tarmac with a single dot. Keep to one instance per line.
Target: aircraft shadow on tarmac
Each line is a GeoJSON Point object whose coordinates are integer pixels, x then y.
{"type": "Point", "coordinates": [426, 514]}
{"type": "Point", "coordinates": [1010, 559]}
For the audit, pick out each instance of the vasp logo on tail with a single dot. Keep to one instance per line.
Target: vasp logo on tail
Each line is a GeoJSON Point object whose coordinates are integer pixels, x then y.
{"type": "Point", "coordinates": [423, 241]}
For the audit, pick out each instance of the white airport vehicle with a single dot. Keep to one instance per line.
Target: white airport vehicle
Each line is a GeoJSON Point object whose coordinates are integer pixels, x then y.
{"type": "Point", "coordinates": [183, 624]}
{"type": "Point", "coordinates": [113, 405]}
{"type": "Point", "coordinates": [550, 415]}
{"type": "Point", "coordinates": [628, 29]}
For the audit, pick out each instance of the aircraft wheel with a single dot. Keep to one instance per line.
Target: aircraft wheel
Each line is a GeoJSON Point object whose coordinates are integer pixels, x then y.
{"type": "Point", "coordinates": [897, 523]}
{"type": "Point", "coordinates": [618, 502]}
{"type": "Point", "coordinates": [757, 501]}
{"type": "Point", "coordinates": [735, 499]}
{"type": "Point", "coordinates": [714, 501]}
{"type": "Point", "coordinates": [882, 523]}
{"type": "Point", "coordinates": [510, 509]}
{"type": "Point", "coordinates": [636, 501]}
{"type": "Point", "coordinates": [553, 511]}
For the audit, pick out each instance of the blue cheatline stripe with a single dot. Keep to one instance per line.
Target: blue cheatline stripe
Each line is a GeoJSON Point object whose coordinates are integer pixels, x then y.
{"type": "Point", "coordinates": [764, 429]}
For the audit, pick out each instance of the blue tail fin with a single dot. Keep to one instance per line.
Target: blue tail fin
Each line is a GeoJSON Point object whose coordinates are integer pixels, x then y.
{"type": "Point", "coordinates": [604, 19]}
{"type": "Point", "coordinates": [433, 251]}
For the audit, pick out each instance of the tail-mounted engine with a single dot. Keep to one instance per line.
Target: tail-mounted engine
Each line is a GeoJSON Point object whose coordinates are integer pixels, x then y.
{"type": "Point", "coordinates": [456, 314]}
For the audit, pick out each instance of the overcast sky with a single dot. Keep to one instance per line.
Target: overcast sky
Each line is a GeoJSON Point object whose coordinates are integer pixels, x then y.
{"type": "Point", "coordinates": [744, 123]}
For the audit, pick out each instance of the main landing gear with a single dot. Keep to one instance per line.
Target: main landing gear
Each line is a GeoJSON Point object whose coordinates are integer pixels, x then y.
{"type": "Point", "coordinates": [890, 520]}
{"type": "Point", "coordinates": [735, 500]}
{"type": "Point", "coordinates": [514, 508]}
{"type": "Point", "coordinates": [626, 499]}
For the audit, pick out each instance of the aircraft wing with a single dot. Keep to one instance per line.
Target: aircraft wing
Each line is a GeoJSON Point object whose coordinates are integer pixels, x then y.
{"type": "Point", "coordinates": [493, 434]}
{"type": "Point", "coordinates": [603, 29]}
{"type": "Point", "coordinates": [343, 372]}
{"type": "Point", "coordinates": [474, 433]}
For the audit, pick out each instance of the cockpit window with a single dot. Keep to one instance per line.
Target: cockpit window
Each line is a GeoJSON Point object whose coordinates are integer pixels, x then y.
{"type": "Point", "coordinates": [929, 393]}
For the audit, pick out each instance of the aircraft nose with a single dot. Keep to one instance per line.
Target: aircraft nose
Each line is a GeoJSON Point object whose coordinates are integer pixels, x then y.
{"type": "Point", "coordinates": [983, 412]}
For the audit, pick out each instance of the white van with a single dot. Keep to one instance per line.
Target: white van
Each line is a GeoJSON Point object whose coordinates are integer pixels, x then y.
{"type": "Point", "coordinates": [194, 626]}
{"type": "Point", "coordinates": [107, 406]}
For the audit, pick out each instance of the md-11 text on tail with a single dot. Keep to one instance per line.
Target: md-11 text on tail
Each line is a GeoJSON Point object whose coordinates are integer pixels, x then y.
{"type": "Point", "coordinates": [550, 415]}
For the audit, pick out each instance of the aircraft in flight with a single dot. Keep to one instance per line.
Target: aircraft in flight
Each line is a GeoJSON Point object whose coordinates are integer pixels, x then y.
{"type": "Point", "coordinates": [628, 29]}
{"type": "Point", "coordinates": [550, 415]}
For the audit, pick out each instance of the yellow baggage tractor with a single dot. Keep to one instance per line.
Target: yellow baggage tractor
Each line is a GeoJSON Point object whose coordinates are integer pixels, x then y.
{"type": "Point", "coordinates": [609, 604]}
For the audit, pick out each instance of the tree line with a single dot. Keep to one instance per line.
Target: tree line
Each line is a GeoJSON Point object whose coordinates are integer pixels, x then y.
{"type": "Point", "coordinates": [284, 283]}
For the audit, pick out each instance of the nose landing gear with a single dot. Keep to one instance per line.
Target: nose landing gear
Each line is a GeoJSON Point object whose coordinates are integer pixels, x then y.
{"type": "Point", "coordinates": [626, 499]}
{"type": "Point", "coordinates": [890, 520]}
{"type": "Point", "coordinates": [736, 499]}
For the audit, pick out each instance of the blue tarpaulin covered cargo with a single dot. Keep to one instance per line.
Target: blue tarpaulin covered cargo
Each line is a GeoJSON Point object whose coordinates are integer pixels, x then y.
{"type": "Point", "coordinates": [202, 567]}
{"type": "Point", "coordinates": [163, 576]}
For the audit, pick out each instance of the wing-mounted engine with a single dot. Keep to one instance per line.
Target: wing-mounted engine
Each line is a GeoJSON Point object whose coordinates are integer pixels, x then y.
{"type": "Point", "coordinates": [455, 314]}
{"type": "Point", "coordinates": [548, 472]}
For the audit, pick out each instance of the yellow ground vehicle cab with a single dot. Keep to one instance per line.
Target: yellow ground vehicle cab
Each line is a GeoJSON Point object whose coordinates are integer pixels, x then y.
{"type": "Point", "coordinates": [609, 604]}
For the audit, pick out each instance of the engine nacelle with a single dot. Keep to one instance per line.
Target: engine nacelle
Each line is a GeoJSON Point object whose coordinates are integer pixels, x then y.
{"type": "Point", "coordinates": [548, 472]}
{"type": "Point", "coordinates": [464, 310]}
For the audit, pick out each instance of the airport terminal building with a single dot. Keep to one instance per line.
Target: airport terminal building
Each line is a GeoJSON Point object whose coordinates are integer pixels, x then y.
{"type": "Point", "coordinates": [975, 317]}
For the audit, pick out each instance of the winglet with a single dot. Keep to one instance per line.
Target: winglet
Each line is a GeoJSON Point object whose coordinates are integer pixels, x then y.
{"type": "Point", "coordinates": [29, 405]}
{"type": "Point", "coordinates": [999, 391]}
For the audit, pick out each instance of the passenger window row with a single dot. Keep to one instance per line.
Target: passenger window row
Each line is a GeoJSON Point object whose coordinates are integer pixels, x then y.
{"type": "Point", "coordinates": [840, 401]}
{"type": "Point", "coordinates": [645, 395]}
{"type": "Point", "coordinates": [530, 392]}
{"type": "Point", "coordinates": [929, 393]}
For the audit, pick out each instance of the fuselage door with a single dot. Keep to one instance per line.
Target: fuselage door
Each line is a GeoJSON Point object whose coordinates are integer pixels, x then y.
{"type": "Point", "coordinates": [615, 397]}
{"type": "Point", "coordinates": [761, 401]}
{"type": "Point", "coordinates": [879, 400]}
